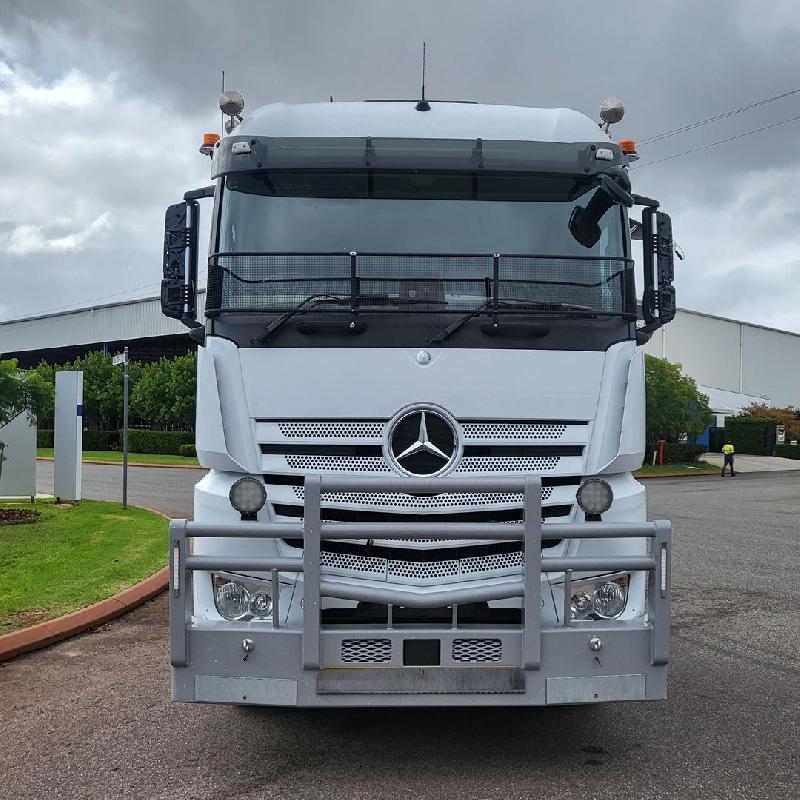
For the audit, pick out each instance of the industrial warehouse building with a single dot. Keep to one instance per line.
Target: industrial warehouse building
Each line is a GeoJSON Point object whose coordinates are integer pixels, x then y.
{"type": "Point", "coordinates": [734, 363]}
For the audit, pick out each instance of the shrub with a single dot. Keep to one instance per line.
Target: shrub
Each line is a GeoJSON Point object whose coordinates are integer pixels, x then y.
{"type": "Point", "coordinates": [788, 451]}
{"type": "Point", "coordinates": [188, 450]}
{"type": "Point", "coordinates": [102, 440]}
{"type": "Point", "coordinates": [749, 435]}
{"type": "Point", "coordinates": [161, 442]}
{"type": "Point", "coordinates": [44, 437]}
{"type": "Point", "coordinates": [676, 453]}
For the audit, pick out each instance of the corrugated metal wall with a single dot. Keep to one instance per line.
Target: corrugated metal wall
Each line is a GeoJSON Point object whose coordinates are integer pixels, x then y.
{"type": "Point", "coordinates": [137, 319]}
{"type": "Point", "coordinates": [733, 356]}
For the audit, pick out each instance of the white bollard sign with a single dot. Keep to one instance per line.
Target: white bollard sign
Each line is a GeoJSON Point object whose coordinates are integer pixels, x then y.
{"type": "Point", "coordinates": [18, 458]}
{"type": "Point", "coordinates": [68, 436]}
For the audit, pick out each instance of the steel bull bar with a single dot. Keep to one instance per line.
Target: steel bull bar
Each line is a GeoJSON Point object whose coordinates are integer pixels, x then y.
{"type": "Point", "coordinates": [428, 680]}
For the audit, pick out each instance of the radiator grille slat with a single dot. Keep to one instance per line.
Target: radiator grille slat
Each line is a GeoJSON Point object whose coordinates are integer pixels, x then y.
{"type": "Point", "coordinates": [366, 651]}
{"type": "Point", "coordinates": [477, 651]}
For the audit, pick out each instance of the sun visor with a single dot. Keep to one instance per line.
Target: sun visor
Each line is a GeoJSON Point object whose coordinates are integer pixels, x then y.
{"type": "Point", "coordinates": [249, 153]}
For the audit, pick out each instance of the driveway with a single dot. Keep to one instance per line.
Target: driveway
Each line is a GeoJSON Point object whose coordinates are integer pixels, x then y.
{"type": "Point", "coordinates": [744, 463]}
{"type": "Point", "coordinates": [91, 717]}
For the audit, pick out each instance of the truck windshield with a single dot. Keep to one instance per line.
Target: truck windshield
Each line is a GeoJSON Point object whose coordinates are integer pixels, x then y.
{"type": "Point", "coordinates": [417, 241]}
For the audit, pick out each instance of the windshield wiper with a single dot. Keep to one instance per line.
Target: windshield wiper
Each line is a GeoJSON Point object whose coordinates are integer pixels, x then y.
{"type": "Point", "coordinates": [303, 305]}
{"type": "Point", "coordinates": [505, 305]}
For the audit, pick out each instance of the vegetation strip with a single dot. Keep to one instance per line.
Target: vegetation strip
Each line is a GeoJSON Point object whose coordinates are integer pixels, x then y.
{"type": "Point", "coordinates": [74, 556]}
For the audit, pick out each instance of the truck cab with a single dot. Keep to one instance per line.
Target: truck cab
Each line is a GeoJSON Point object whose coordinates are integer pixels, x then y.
{"type": "Point", "coordinates": [420, 402]}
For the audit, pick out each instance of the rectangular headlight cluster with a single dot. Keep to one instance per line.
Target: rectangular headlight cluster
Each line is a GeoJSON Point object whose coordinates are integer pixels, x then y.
{"type": "Point", "coordinates": [599, 598]}
{"type": "Point", "coordinates": [237, 597]}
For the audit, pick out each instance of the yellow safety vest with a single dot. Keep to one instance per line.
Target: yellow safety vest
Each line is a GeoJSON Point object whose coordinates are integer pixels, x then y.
{"type": "Point", "coordinates": [727, 449]}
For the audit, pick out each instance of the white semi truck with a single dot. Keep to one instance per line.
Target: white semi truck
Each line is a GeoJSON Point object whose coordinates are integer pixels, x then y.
{"type": "Point", "coordinates": [420, 402]}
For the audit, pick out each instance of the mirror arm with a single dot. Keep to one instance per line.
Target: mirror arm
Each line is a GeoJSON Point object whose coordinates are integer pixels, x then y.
{"type": "Point", "coordinates": [641, 200]}
{"type": "Point", "coordinates": [191, 198]}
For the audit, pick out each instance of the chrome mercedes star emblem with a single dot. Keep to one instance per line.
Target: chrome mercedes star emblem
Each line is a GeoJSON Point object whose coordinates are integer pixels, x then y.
{"type": "Point", "coordinates": [422, 441]}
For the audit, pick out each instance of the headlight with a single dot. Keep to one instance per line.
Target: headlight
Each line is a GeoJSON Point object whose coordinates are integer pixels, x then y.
{"type": "Point", "coordinates": [594, 496]}
{"type": "Point", "coordinates": [604, 599]}
{"type": "Point", "coordinates": [609, 600]}
{"type": "Point", "coordinates": [240, 598]}
{"type": "Point", "coordinates": [248, 496]}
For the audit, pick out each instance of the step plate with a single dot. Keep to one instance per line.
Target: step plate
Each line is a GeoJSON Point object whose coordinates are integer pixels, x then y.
{"type": "Point", "coordinates": [422, 680]}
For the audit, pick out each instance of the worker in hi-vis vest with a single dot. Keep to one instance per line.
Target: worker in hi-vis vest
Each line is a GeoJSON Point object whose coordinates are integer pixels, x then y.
{"type": "Point", "coordinates": [727, 452]}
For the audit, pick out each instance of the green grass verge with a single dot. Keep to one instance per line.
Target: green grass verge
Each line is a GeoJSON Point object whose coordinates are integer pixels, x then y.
{"type": "Point", "coordinates": [133, 458]}
{"type": "Point", "coordinates": [74, 556]}
{"type": "Point", "coordinates": [699, 468]}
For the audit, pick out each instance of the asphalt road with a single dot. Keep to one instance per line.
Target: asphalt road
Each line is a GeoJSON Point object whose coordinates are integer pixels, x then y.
{"type": "Point", "coordinates": [91, 717]}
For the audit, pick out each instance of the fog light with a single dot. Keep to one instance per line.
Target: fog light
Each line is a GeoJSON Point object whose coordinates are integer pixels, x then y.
{"type": "Point", "coordinates": [594, 496]}
{"type": "Point", "coordinates": [609, 601]}
{"type": "Point", "coordinates": [232, 600]}
{"type": "Point", "coordinates": [580, 605]}
{"type": "Point", "coordinates": [248, 496]}
{"type": "Point", "coordinates": [261, 605]}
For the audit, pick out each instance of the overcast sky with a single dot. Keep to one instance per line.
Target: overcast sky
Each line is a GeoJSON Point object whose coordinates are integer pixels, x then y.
{"type": "Point", "coordinates": [103, 103]}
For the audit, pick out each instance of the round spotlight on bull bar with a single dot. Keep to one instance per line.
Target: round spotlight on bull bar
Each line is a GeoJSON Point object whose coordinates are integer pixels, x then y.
{"type": "Point", "coordinates": [247, 496]}
{"type": "Point", "coordinates": [595, 496]}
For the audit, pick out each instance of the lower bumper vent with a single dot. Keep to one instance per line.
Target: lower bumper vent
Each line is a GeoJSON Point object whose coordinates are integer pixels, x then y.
{"type": "Point", "coordinates": [366, 651]}
{"type": "Point", "coordinates": [477, 651]}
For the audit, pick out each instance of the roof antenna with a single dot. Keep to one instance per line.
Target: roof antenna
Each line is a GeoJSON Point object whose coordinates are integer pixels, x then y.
{"type": "Point", "coordinates": [423, 104]}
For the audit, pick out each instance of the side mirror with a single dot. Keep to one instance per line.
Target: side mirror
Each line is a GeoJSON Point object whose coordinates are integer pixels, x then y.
{"type": "Point", "coordinates": [177, 290]}
{"type": "Point", "coordinates": [658, 298]}
{"type": "Point", "coordinates": [584, 222]}
{"type": "Point", "coordinates": [179, 281]}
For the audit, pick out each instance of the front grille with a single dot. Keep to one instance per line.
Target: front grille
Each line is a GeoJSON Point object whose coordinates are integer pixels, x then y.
{"type": "Point", "coordinates": [477, 651]}
{"type": "Point", "coordinates": [366, 651]}
{"type": "Point", "coordinates": [293, 448]}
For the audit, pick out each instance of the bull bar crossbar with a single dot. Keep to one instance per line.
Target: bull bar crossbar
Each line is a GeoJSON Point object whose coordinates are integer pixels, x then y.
{"type": "Point", "coordinates": [313, 530]}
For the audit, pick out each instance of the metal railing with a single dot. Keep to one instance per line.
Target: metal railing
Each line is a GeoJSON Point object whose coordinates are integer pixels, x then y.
{"type": "Point", "coordinates": [313, 530]}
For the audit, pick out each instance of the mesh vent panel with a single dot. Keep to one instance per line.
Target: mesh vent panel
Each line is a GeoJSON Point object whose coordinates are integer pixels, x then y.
{"type": "Point", "coordinates": [331, 430]}
{"type": "Point", "coordinates": [473, 651]}
{"type": "Point", "coordinates": [399, 500]}
{"type": "Point", "coordinates": [423, 570]}
{"type": "Point", "coordinates": [366, 651]}
{"type": "Point", "coordinates": [508, 464]}
{"type": "Point", "coordinates": [512, 430]}
{"type": "Point", "coordinates": [355, 563]}
{"type": "Point", "coordinates": [490, 563]}
{"type": "Point", "coordinates": [338, 463]}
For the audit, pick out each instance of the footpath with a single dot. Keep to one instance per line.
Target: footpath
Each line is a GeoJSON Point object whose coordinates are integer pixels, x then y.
{"type": "Point", "coordinates": [743, 463]}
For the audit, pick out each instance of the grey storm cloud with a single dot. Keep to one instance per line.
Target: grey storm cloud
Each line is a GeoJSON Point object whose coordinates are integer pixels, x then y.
{"type": "Point", "coordinates": [103, 103]}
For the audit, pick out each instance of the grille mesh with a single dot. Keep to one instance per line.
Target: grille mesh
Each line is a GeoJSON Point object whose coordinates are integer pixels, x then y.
{"type": "Point", "coordinates": [423, 570]}
{"type": "Point", "coordinates": [400, 500]}
{"type": "Point", "coordinates": [497, 561]}
{"type": "Point", "coordinates": [331, 430]}
{"type": "Point", "coordinates": [473, 651]}
{"type": "Point", "coordinates": [368, 565]}
{"type": "Point", "coordinates": [338, 463]}
{"type": "Point", "coordinates": [513, 430]}
{"type": "Point", "coordinates": [366, 651]}
{"type": "Point", "coordinates": [507, 464]}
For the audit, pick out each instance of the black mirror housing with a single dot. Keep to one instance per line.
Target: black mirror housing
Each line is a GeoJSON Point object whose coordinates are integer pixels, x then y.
{"type": "Point", "coordinates": [177, 293]}
{"type": "Point", "coordinates": [584, 222]}
{"type": "Point", "coordinates": [658, 297]}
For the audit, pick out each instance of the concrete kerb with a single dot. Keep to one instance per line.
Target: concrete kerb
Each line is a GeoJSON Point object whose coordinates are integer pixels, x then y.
{"type": "Point", "coordinates": [55, 630]}
{"type": "Point", "coordinates": [131, 464]}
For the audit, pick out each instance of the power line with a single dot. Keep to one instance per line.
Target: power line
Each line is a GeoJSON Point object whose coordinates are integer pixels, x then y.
{"type": "Point", "coordinates": [700, 123]}
{"type": "Point", "coordinates": [79, 303]}
{"type": "Point", "coordinates": [714, 144]}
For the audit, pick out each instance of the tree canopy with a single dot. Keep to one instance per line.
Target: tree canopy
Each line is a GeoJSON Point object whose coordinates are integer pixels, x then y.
{"type": "Point", "coordinates": [674, 404]}
{"type": "Point", "coordinates": [788, 416]}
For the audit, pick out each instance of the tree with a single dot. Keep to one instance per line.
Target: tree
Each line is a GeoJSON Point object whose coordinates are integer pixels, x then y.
{"type": "Point", "coordinates": [21, 392]}
{"type": "Point", "coordinates": [165, 392]}
{"type": "Point", "coordinates": [789, 417]}
{"type": "Point", "coordinates": [674, 404]}
{"type": "Point", "coordinates": [102, 390]}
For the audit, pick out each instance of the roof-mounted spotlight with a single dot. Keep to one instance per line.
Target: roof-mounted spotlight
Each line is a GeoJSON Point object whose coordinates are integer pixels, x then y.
{"type": "Point", "coordinates": [231, 103]}
{"type": "Point", "coordinates": [611, 111]}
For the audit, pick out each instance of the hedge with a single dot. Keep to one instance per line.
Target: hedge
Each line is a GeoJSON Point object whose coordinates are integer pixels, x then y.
{"type": "Point", "coordinates": [675, 453]}
{"type": "Point", "coordinates": [162, 442]}
{"type": "Point", "coordinates": [749, 436]}
{"type": "Point", "coordinates": [188, 450]}
{"type": "Point", "coordinates": [788, 451]}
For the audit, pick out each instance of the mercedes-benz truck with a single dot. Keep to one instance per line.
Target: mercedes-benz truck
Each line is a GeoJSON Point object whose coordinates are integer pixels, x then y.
{"type": "Point", "coordinates": [420, 402]}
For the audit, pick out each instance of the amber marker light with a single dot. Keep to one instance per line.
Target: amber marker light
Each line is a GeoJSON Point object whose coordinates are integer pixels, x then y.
{"type": "Point", "coordinates": [209, 140]}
